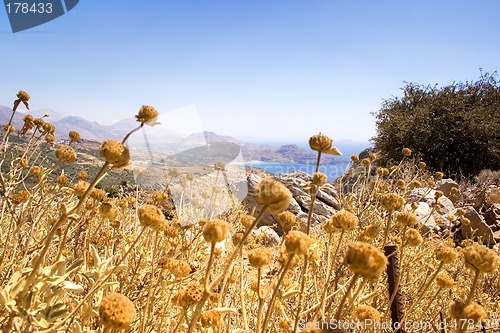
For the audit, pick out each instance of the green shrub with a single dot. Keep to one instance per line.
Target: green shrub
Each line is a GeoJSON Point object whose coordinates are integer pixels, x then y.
{"type": "Point", "coordinates": [455, 129]}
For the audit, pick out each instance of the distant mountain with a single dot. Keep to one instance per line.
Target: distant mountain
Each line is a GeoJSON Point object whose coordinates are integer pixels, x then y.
{"type": "Point", "coordinates": [283, 154]}
{"type": "Point", "coordinates": [87, 129]}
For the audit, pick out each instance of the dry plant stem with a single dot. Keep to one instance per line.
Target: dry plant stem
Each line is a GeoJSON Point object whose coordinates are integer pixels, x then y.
{"type": "Point", "coordinates": [387, 228]}
{"type": "Point", "coordinates": [270, 306]}
{"type": "Point", "coordinates": [473, 287]}
{"type": "Point", "coordinates": [96, 286]}
{"type": "Point", "coordinates": [430, 302]}
{"type": "Point", "coordinates": [150, 293]}
{"type": "Point", "coordinates": [261, 300]}
{"type": "Point", "coordinates": [344, 298]}
{"type": "Point", "coordinates": [242, 294]}
{"type": "Point", "coordinates": [422, 293]}
{"type": "Point", "coordinates": [206, 293]}
{"type": "Point", "coordinates": [301, 294]}
{"type": "Point", "coordinates": [209, 267]}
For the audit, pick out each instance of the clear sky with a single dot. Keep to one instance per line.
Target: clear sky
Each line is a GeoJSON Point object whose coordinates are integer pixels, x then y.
{"type": "Point", "coordinates": [262, 69]}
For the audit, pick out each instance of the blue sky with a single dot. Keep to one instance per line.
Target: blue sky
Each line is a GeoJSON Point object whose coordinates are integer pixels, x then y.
{"type": "Point", "coordinates": [253, 69]}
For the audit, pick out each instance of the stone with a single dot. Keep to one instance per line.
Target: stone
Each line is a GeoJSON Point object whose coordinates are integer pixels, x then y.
{"type": "Point", "coordinates": [425, 220]}
{"type": "Point", "coordinates": [492, 217]}
{"type": "Point", "coordinates": [266, 236]}
{"type": "Point", "coordinates": [427, 195]}
{"type": "Point", "coordinates": [477, 229]}
{"type": "Point", "coordinates": [445, 186]}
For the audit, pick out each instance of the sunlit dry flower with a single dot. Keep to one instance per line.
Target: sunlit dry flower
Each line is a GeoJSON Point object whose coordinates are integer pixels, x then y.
{"type": "Point", "coordinates": [355, 158]}
{"type": "Point", "coordinates": [465, 312]}
{"type": "Point", "coordinates": [481, 258]}
{"type": "Point", "coordinates": [247, 220]}
{"type": "Point", "coordinates": [372, 157]}
{"type": "Point", "coordinates": [116, 311]}
{"type": "Point", "coordinates": [259, 257]}
{"type": "Point", "coordinates": [319, 179]}
{"type": "Point", "coordinates": [74, 136]}
{"type": "Point", "coordinates": [367, 314]}
{"type": "Point", "coordinates": [342, 220]}
{"type": "Point", "coordinates": [422, 166]}
{"type": "Point", "coordinates": [146, 114]}
{"type": "Point", "coordinates": [215, 231]}
{"type": "Point", "coordinates": [48, 128]}
{"type": "Point", "coordinates": [195, 291]}
{"type": "Point", "coordinates": [406, 218]}
{"type": "Point", "coordinates": [273, 195]}
{"type": "Point", "coordinates": [406, 152]}
{"type": "Point", "coordinates": [62, 180]}
{"type": "Point", "coordinates": [444, 281]}
{"type": "Point", "coordinates": [297, 242]}
{"type": "Point", "coordinates": [210, 318]}
{"type": "Point", "coordinates": [320, 143]}
{"type": "Point", "coordinates": [23, 96]}
{"type": "Point", "coordinates": [438, 176]}
{"type": "Point", "coordinates": [20, 197]}
{"type": "Point", "coordinates": [365, 259]}
{"type": "Point", "coordinates": [287, 220]}
{"type": "Point", "coordinates": [413, 237]}
{"type": "Point", "coordinates": [366, 163]}
{"type": "Point", "coordinates": [65, 153]}
{"type": "Point", "coordinates": [108, 210]}
{"type": "Point", "coordinates": [445, 254]}
{"type": "Point", "coordinates": [8, 128]}
{"type": "Point", "coordinates": [151, 216]}
{"type": "Point", "coordinates": [49, 138]}
{"type": "Point", "coordinates": [392, 201]}
{"type": "Point", "coordinates": [179, 268]}
{"type": "Point", "coordinates": [115, 153]}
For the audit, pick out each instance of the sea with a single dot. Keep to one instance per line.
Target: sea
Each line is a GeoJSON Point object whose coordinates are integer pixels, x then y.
{"type": "Point", "coordinates": [332, 171]}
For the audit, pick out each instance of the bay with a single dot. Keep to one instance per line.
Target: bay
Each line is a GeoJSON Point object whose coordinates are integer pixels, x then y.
{"type": "Point", "coordinates": [332, 171]}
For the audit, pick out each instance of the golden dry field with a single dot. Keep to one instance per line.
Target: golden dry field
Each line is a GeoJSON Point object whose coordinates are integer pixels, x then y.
{"type": "Point", "coordinates": [75, 259]}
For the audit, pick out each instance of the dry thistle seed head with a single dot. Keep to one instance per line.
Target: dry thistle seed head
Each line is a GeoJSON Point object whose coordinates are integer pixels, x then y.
{"type": "Point", "coordinates": [406, 152]}
{"type": "Point", "coordinates": [48, 128]}
{"type": "Point", "coordinates": [23, 96]}
{"type": "Point", "coordinates": [273, 195]}
{"type": "Point", "coordinates": [173, 172]}
{"type": "Point", "coordinates": [82, 175]}
{"type": "Point", "coordinates": [320, 143]}
{"type": "Point", "coordinates": [454, 192]}
{"type": "Point", "coordinates": [406, 218]}
{"type": "Point", "coordinates": [445, 254]}
{"type": "Point", "coordinates": [171, 232]}
{"type": "Point", "coordinates": [401, 184]}
{"type": "Point", "coordinates": [365, 259]}
{"type": "Point", "coordinates": [116, 311]}
{"type": "Point", "coordinates": [481, 258]}
{"type": "Point", "coordinates": [20, 197]}
{"type": "Point", "coordinates": [9, 128]}
{"type": "Point", "coordinates": [297, 242]}
{"type": "Point", "coordinates": [179, 268]}
{"type": "Point", "coordinates": [392, 202]}
{"type": "Point", "coordinates": [146, 114]}
{"type": "Point", "coordinates": [382, 172]}
{"type": "Point", "coordinates": [80, 188]}
{"type": "Point", "coordinates": [210, 318]}
{"type": "Point", "coordinates": [413, 237]}
{"type": "Point", "coordinates": [219, 166]}
{"type": "Point", "coordinates": [151, 216]}
{"type": "Point", "coordinates": [247, 220]}
{"type": "Point", "coordinates": [444, 281]}
{"type": "Point", "coordinates": [438, 194]}
{"type": "Point", "coordinates": [369, 233]}
{"type": "Point", "coordinates": [65, 153]}
{"type": "Point", "coordinates": [319, 179]}
{"type": "Point", "coordinates": [215, 231]}
{"type": "Point", "coordinates": [115, 153]}
{"type": "Point", "coordinates": [473, 311]}
{"type": "Point", "coordinates": [438, 176]}
{"type": "Point", "coordinates": [342, 220]}
{"type": "Point", "coordinates": [108, 210]}
{"type": "Point", "coordinates": [97, 194]}
{"type": "Point", "coordinates": [415, 184]}
{"type": "Point", "coordinates": [367, 313]}
{"type": "Point", "coordinates": [36, 171]}
{"type": "Point", "coordinates": [38, 122]}
{"type": "Point", "coordinates": [287, 220]}
{"type": "Point", "coordinates": [259, 257]}
{"type": "Point", "coordinates": [366, 163]}
{"type": "Point", "coordinates": [50, 139]}
{"type": "Point", "coordinates": [372, 157]}
{"type": "Point", "coordinates": [74, 136]}
{"type": "Point", "coordinates": [159, 196]}
{"type": "Point", "coordinates": [422, 166]}
{"type": "Point", "coordinates": [355, 158]}
{"type": "Point", "coordinates": [461, 212]}
{"type": "Point", "coordinates": [62, 180]}
{"type": "Point", "coordinates": [195, 291]}
{"type": "Point", "coordinates": [465, 221]}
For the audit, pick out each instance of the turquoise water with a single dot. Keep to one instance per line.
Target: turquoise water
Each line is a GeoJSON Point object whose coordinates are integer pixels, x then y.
{"type": "Point", "coordinates": [332, 171]}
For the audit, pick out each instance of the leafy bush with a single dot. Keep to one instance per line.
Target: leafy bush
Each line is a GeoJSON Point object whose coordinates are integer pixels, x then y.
{"type": "Point", "coordinates": [455, 129]}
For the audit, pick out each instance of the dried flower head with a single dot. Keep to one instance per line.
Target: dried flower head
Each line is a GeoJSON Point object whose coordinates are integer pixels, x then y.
{"type": "Point", "coordinates": [195, 291]}
{"type": "Point", "coordinates": [445, 254]}
{"type": "Point", "coordinates": [146, 114]}
{"type": "Point", "coordinates": [151, 216]}
{"type": "Point", "coordinates": [65, 153]}
{"type": "Point", "coordinates": [473, 311]}
{"type": "Point", "coordinates": [413, 237]}
{"type": "Point", "coordinates": [62, 180]}
{"type": "Point", "coordinates": [438, 194]}
{"type": "Point", "coordinates": [287, 220]}
{"type": "Point", "coordinates": [355, 158]}
{"type": "Point", "coordinates": [297, 242]}
{"type": "Point", "coordinates": [392, 201]}
{"type": "Point", "coordinates": [36, 171]}
{"type": "Point", "coordinates": [8, 128]}
{"type": "Point", "coordinates": [247, 221]}
{"type": "Point", "coordinates": [342, 220]}
{"type": "Point", "coordinates": [116, 311]}
{"type": "Point", "coordinates": [215, 231]}
{"type": "Point", "coordinates": [320, 143]}
{"type": "Point", "coordinates": [80, 188]}
{"type": "Point", "coordinates": [366, 163]}
{"type": "Point", "coordinates": [108, 210]}
{"type": "Point", "coordinates": [319, 179]}
{"type": "Point", "coordinates": [115, 153]}
{"type": "Point", "coordinates": [273, 195]}
{"type": "Point", "coordinates": [444, 281]}
{"type": "Point", "coordinates": [372, 157]}
{"type": "Point", "coordinates": [259, 257]}
{"type": "Point", "coordinates": [438, 176]}
{"type": "Point", "coordinates": [50, 139]}
{"type": "Point", "coordinates": [481, 258]}
{"type": "Point", "coordinates": [367, 314]}
{"type": "Point", "coordinates": [406, 152]}
{"type": "Point", "coordinates": [179, 268]}
{"type": "Point", "coordinates": [406, 218]}
{"type": "Point", "coordinates": [74, 136]}
{"type": "Point", "coordinates": [365, 259]}
{"type": "Point", "coordinates": [422, 166]}
{"type": "Point", "coordinates": [211, 318]}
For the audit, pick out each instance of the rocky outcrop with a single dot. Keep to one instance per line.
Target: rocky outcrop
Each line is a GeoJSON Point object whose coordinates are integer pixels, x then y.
{"type": "Point", "coordinates": [325, 205]}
